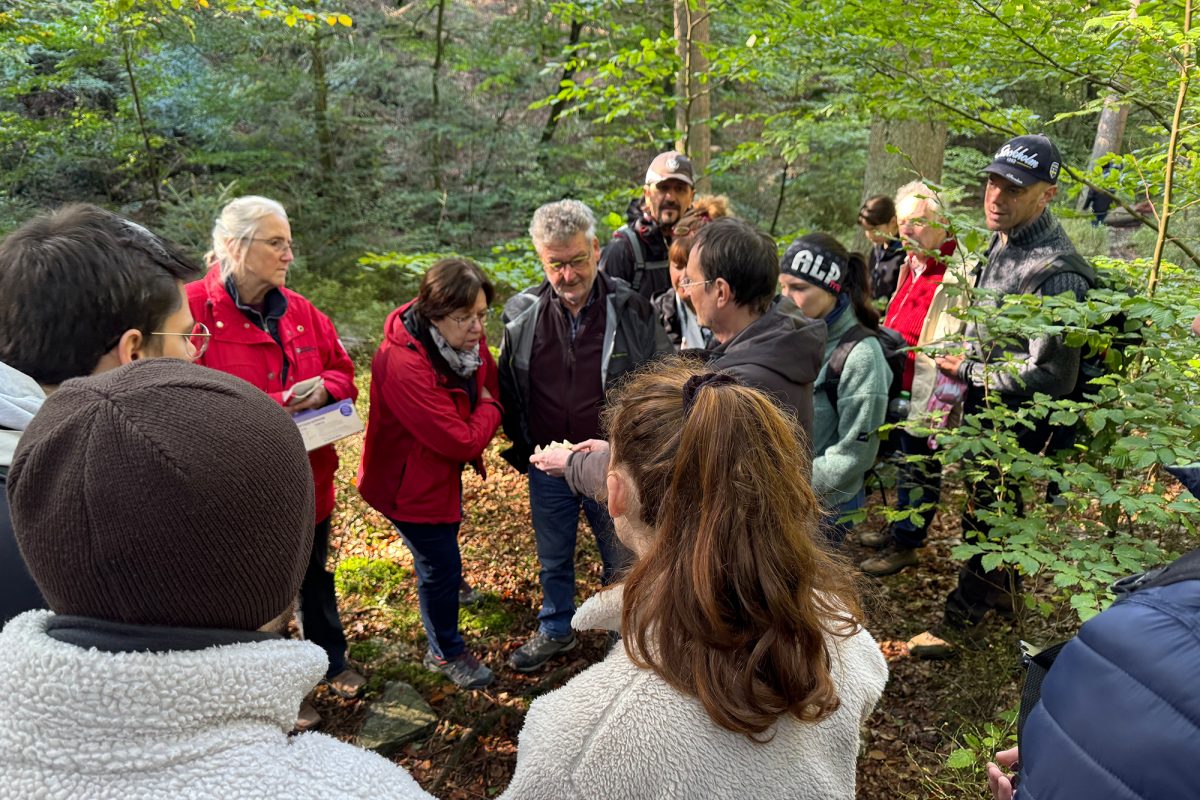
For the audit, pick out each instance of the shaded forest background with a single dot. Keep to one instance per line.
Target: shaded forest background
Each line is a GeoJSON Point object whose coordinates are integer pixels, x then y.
{"type": "Point", "coordinates": [397, 132]}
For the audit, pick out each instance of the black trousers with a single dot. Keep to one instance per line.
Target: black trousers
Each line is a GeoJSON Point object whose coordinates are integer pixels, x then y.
{"type": "Point", "coordinates": [318, 612]}
{"type": "Point", "coordinates": [978, 589]}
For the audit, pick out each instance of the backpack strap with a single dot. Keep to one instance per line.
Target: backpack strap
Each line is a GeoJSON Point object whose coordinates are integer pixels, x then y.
{"type": "Point", "coordinates": [640, 265]}
{"type": "Point", "coordinates": [837, 361]}
{"type": "Point", "coordinates": [639, 258]}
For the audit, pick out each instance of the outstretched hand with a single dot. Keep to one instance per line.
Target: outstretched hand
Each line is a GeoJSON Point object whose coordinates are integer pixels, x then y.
{"type": "Point", "coordinates": [552, 460]}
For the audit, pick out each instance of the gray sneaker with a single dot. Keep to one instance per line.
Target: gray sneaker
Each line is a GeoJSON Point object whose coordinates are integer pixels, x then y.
{"type": "Point", "coordinates": [464, 669]}
{"type": "Point", "coordinates": [538, 650]}
{"type": "Point", "coordinates": [874, 538]}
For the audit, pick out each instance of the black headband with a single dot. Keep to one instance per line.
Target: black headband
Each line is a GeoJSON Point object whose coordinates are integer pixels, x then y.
{"type": "Point", "coordinates": [816, 265]}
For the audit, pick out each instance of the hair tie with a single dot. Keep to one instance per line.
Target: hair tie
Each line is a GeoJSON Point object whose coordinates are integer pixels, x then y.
{"type": "Point", "coordinates": [697, 382]}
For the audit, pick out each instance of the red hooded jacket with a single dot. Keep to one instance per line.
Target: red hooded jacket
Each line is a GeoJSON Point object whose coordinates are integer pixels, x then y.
{"type": "Point", "coordinates": [421, 431]}
{"type": "Point", "coordinates": [241, 348]}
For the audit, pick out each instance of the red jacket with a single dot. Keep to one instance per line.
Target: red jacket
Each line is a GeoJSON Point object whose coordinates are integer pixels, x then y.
{"type": "Point", "coordinates": [241, 348]}
{"type": "Point", "coordinates": [420, 431]}
{"type": "Point", "coordinates": [909, 306]}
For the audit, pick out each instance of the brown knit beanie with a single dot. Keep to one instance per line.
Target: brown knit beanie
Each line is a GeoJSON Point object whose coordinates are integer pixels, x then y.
{"type": "Point", "coordinates": [164, 493]}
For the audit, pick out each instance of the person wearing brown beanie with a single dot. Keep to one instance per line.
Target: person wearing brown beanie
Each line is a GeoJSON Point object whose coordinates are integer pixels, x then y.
{"type": "Point", "coordinates": [165, 511]}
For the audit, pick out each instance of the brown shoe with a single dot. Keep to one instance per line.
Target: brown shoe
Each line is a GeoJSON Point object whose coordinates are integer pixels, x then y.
{"type": "Point", "coordinates": [927, 645]}
{"type": "Point", "coordinates": [347, 684]}
{"type": "Point", "coordinates": [874, 538]}
{"type": "Point", "coordinates": [889, 561]}
{"type": "Point", "coordinates": [308, 719]}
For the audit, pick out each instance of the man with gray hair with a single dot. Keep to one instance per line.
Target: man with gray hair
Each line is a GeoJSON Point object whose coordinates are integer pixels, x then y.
{"type": "Point", "coordinates": [565, 342]}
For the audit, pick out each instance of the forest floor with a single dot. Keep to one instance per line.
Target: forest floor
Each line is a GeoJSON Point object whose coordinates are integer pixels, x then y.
{"type": "Point", "coordinates": [929, 709]}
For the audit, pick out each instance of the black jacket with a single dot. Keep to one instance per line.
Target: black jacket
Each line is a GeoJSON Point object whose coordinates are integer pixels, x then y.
{"type": "Point", "coordinates": [632, 336]}
{"type": "Point", "coordinates": [18, 592]}
{"type": "Point", "coordinates": [618, 260]}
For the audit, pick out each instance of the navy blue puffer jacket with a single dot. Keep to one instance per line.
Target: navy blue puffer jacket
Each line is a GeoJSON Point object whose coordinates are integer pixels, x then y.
{"type": "Point", "coordinates": [1120, 710]}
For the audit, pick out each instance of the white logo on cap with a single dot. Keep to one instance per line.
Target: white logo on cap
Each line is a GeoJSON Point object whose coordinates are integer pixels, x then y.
{"type": "Point", "coordinates": [804, 263]}
{"type": "Point", "coordinates": [1021, 155]}
{"type": "Point", "coordinates": [1053, 170]}
{"type": "Point", "coordinates": [672, 164]}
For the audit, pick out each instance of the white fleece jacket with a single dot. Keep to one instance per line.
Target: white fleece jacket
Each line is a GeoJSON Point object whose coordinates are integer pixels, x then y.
{"type": "Point", "coordinates": [616, 731]}
{"type": "Point", "coordinates": [210, 723]}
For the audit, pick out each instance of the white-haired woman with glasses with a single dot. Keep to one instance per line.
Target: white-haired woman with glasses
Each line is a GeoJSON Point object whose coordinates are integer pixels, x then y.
{"type": "Point", "coordinates": [273, 338]}
{"type": "Point", "coordinates": [433, 411]}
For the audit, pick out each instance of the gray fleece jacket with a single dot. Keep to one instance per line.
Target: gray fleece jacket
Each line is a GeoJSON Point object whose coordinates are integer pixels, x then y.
{"type": "Point", "coordinates": [1012, 267]}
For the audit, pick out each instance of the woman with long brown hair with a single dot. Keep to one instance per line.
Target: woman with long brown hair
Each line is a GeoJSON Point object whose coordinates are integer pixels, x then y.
{"type": "Point", "coordinates": [744, 670]}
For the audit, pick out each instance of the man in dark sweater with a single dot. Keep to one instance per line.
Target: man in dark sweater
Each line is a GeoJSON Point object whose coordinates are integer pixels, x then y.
{"type": "Point", "coordinates": [1029, 253]}
{"type": "Point", "coordinates": [85, 291]}
{"type": "Point", "coordinates": [637, 253]}
{"type": "Point", "coordinates": [565, 342]}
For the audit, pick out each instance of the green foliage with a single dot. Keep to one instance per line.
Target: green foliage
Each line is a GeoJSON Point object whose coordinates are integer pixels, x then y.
{"type": "Point", "coordinates": [1119, 514]}
{"type": "Point", "coordinates": [379, 579]}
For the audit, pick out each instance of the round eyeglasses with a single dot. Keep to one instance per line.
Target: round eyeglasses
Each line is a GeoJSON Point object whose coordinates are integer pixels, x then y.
{"type": "Point", "coordinates": [195, 342]}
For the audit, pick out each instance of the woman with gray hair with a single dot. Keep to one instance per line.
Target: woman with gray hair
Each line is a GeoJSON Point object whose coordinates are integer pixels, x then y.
{"type": "Point", "coordinates": [273, 338]}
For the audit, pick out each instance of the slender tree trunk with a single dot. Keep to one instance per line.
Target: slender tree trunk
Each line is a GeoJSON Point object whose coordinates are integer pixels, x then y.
{"type": "Point", "coordinates": [693, 105]}
{"type": "Point", "coordinates": [1164, 218]}
{"type": "Point", "coordinates": [568, 73]}
{"type": "Point", "coordinates": [151, 160]}
{"type": "Point", "coordinates": [438, 53]}
{"type": "Point", "coordinates": [783, 178]}
{"type": "Point", "coordinates": [325, 148]}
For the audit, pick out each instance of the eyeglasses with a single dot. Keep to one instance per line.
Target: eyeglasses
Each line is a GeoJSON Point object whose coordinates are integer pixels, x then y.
{"type": "Point", "coordinates": [278, 244]}
{"type": "Point", "coordinates": [577, 263]}
{"type": "Point", "coordinates": [196, 342]}
{"type": "Point", "coordinates": [686, 285]}
{"type": "Point", "coordinates": [465, 322]}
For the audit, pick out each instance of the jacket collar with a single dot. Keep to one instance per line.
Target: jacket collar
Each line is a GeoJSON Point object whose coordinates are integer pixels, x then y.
{"type": "Point", "coordinates": [100, 712]}
{"type": "Point", "coordinates": [1032, 231]}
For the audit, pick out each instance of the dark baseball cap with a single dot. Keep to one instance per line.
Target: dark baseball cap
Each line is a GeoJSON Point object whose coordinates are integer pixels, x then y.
{"type": "Point", "coordinates": [1027, 159]}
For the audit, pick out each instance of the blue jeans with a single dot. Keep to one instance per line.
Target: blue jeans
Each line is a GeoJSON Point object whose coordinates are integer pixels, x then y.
{"type": "Point", "coordinates": [920, 484]}
{"type": "Point", "coordinates": [555, 510]}
{"type": "Point", "coordinates": [834, 529]}
{"type": "Point", "coordinates": [438, 564]}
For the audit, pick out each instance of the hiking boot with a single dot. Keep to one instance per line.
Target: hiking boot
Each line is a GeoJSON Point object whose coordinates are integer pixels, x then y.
{"type": "Point", "coordinates": [468, 595]}
{"type": "Point", "coordinates": [874, 538]}
{"type": "Point", "coordinates": [889, 561]}
{"type": "Point", "coordinates": [464, 669]}
{"type": "Point", "coordinates": [307, 718]}
{"type": "Point", "coordinates": [931, 646]}
{"type": "Point", "coordinates": [538, 650]}
{"type": "Point", "coordinates": [347, 684]}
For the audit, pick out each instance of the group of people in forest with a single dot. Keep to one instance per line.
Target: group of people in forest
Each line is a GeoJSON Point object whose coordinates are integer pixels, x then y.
{"type": "Point", "coordinates": [712, 408]}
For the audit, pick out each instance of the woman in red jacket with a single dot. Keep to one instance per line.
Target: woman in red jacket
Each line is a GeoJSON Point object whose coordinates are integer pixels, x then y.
{"type": "Point", "coordinates": [274, 339]}
{"type": "Point", "coordinates": [433, 410]}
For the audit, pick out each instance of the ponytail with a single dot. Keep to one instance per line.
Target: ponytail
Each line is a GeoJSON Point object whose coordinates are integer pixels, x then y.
{"type": "Point", "coordinates": [858, 286]}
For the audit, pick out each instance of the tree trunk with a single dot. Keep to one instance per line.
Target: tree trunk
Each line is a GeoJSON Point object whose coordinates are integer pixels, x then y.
{"type": "Point", "coordinates": [568, 73]}
{"type": "Point", "coordinates": [151, 160]}
{"type": "Point", "coordinates": [1110, 130]}
{"type": "Point", "coordinates": [325, 155]}
{"type": "Point", "coordinates": [693, 107]}
{"type": "Point", "coordinates": [921, 144]}
{"type": "Point", "coordinates": [439, 50]}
